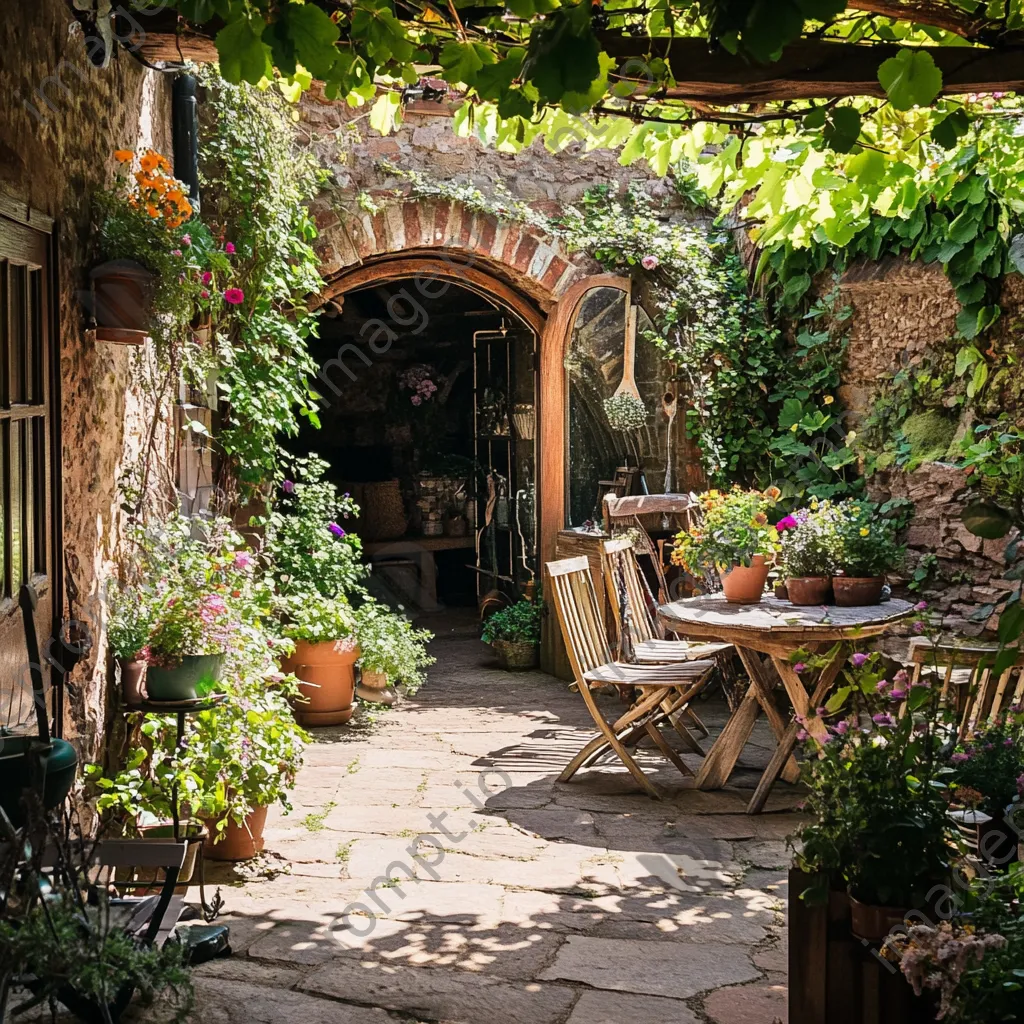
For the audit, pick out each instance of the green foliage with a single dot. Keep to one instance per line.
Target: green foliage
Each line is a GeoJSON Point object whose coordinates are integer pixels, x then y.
{"type": "Point", "coordinates": [991, 763]}
{"type": "Point", "coordinates": [256, 183]}
{"type": "Point", "coordinates": [994, 453]}
{"type": "Point", "coordinates": [318, 619]}
{"type": "Point", "coordinates": [518, 623]}
{"type": "Point", "coordinates": [928, 436]}
{"type": "Point", "coordinates": [866, 540]}
{"type": "Point", "coordinates": [66, 945]}
{"type": "Point", "coordinates": [389, 643]}
{"type": "Point", "coordinates": [876, 795]}
{"type": "Point", "coordinates": [733, 528]}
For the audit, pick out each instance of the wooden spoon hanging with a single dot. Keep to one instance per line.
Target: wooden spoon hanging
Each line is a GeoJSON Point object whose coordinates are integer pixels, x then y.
{"type": "Point", "coordinates": [628, 384]}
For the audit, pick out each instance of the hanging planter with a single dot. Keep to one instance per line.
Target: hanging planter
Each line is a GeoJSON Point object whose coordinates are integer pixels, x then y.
{"type": "Point", "coordinates": [122, 293]}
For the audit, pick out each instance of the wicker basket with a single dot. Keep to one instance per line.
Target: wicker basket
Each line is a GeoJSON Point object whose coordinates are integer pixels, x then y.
{"type": "Point", "coordinates": [384, 515]}
{"type": "Point", "coordinates": [524, 421]}
{"type": "Point", "coordinates": [515, 655]}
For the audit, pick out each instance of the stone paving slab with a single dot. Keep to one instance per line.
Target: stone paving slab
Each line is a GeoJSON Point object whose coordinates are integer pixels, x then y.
{"type": "Point", "coordinates": [610, 1008]}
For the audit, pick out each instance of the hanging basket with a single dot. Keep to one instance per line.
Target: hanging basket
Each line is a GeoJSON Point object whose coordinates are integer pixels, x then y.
{"type": "Point", "coordinates": [384, 515]}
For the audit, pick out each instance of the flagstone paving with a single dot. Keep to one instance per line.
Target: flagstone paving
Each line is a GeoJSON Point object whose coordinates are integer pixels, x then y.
{"type": "Point", "coordinates": [432, 869]}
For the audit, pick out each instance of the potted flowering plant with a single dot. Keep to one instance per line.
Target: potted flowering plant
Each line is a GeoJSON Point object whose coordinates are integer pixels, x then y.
{"type": "Point", "coordinates": [393, 651]}
{"type": "Point", "coordinates": [733, 535]}
{"type": "Point", "coordinates": [867, 549]}
{"type": "Point", "coordinates": [879, 828]}
{"type": "Point", "coordinates": [514, 633]}
{"type": "Point", "coordinates": [314, 563]}
{"type": "Point", "coordinates": [809, 543]}
{"type": "Point", "coordinates": [161, 261]}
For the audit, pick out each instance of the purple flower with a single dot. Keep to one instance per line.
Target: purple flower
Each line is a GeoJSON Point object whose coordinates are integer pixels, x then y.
{"type": "Point", "coordinates": [901, 677]}
{"type": "Point", "coordinates": [821, 712]}
{"type": "Point", "coordinates": [336, 529]}
{"type": "Point", "coordinates": [920, 606]}
{"type": "Point", "coordinates": [960, 758]}
{"type": "Point", "coordinates": [882, 719]}
{"type": "Point", "coordinates": [243, 560]}
{"type": "Point", "coordinates": [898, 695]}
{"type": "Point", "coordinates": [842, 727]}
{"type": "Point", "coordinates": [827, 738]}
{"type": "Point", "coordinates": [918, 627]}
{"type": "Point", "coordinates": [786, 523]}
{"type": "Point", "coordinates": [920, 684]}
{"type": "Point", "coordinates": [802, 735]}
{"type": "Point", "coordinates": [1020, 784]}
{"type": "Point", "coordinates": [882, 685]}
{"type": "Point", "coordinates": [799, 667]}
{"type": "Point", "coordinates": [288, 487]}
{"type": "Point", "coordinates": [649, 262]}
{"type": "Point", "coordinates": [858, 659]}
{"type": "Point", "coordinates": [1008, 742]}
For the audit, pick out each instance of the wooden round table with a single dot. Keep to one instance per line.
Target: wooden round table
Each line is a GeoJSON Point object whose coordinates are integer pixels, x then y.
{"type": "Point", "coordinates": [777, 630]}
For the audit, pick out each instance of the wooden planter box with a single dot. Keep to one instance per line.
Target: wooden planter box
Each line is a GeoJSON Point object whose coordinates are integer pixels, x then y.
{"type": "Point", "coordinates": [835, 978]}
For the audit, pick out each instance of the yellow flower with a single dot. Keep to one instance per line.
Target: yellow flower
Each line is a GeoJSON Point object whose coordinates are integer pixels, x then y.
{"type": "Point", "coordinates": [814, 504]}
{"type": "Point", "coordinates": [864, 531]}
{"type": "Point", "coordinates": [828, 400]}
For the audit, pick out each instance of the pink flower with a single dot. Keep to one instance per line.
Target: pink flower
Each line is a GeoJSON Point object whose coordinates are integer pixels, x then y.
{"type": "Point", "coordinates": [229, 248]}
{"type": "Point", "coordinates": [416, 400]}
{"type": "Point", "coordinates": [649, 262]}
{"type": "Point", "coordinates": [884, 719]}
{"type": "Point", "coordinates": [186, 240]}
{"type": "Point", "coordinates": [175, 252]}
{"type": "Point", "coordinates": [1020, 784]}
{"type": "Point", "coordinates": [204, 294]}
{"type": "Point", "coordinates": [898, 695]}
{"type": "Point", "coordinates": [901, 677]}
{"type": "Point", "coordinates": [920, 606]}
{"type": "Point", "coordinates": [242, 560]}
{"type": "Point", "coordinates": [234, 296]}
{"type": "Point", "coordinates": [918, 627]}
{"type": "Point", "coordinates": [207, 277]}
{"type": "Point", "coordinates": [858, 659]}
{"type": "Point", "coordinates": [821, 712]}
{"type": "Point", "coordinates": [802, 735]}
{"type": "Point", "coordinates": [288, 487]}
{"type": "Point", "coordinates": [882, 685]}
{"type": "Point", "coordinates": [842, 727]}
{"type": "Point", "coordinates": [786, 523]}
{"type": "Point", "coordinates": [960, 758]}
{"type": "Point", "coordinates": [799, 667]}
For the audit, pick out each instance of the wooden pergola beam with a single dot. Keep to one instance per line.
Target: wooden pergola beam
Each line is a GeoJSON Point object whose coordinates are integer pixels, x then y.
{"type": "Point", "coordinates": [809, 69]}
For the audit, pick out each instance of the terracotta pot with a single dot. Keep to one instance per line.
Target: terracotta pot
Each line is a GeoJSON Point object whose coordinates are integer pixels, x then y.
{"type": "Point", "coordinates": [327, 680]}
{"type": "Point", "coordinates": [856, 591]}
{"type": "Point", "coordinates": [744, 584]}
{"type": "Point", "coordinates": [122, 291]}
{"type": "Point", "coordinates": [781, 591]}
{"type": "Point", "coordinates": [808, 590]}
{"type": "Point", "coordinates": [373, 687]}
{"type": "Point", "coordinates": [133, 688]}
{"type": "Point", "coordinates": [239, 842]}
{"type": "Point", "coordinates": [515, 655]}
{"type": "Point", "coordinates": [874, 923]}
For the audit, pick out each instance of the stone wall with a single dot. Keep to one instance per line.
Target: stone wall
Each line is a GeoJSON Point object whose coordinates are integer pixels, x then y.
{"type": "Point", "coordinates": [61, 120]}
{"type": "Point", "coordinates": [901, 310]}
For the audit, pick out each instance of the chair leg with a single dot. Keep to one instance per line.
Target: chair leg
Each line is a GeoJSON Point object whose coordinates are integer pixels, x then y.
{"type": "Point", "coordinates": [612, 740]}
{"type": "Point", "coordinates": [696, 722]}
{"type": "Point", "coordinates": [675, 715]}
{"type": "Point", "coordinates": [655, 733]}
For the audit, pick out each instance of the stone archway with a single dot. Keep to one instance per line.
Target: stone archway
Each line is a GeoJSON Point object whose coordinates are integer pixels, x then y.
{"type": "Point", "coordinates": [519, 266]}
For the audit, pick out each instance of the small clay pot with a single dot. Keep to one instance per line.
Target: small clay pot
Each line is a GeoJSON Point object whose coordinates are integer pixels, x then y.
{"type": "Point", "coordinates": [239, 842]}
{"type": "Point", "coordinates": [373, 687]}
{"type": "Point", "coordinates": [809, 590]}
{"type": "Point", "coordinates": [744, 584]}
{"type": "Point", "coordinates": [133, 687]}
{"type": "Point", "coordinates": [857, 591]}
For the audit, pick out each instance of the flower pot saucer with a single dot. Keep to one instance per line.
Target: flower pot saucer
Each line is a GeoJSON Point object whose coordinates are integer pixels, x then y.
{"type": "Point", "coordinates": [168, 707]}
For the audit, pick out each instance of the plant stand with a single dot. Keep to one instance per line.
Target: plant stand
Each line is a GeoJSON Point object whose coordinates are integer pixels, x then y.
{"type": "Point", "coordinates": [181, 709]}
{"type": "Point", "coordinates": [836, 978]}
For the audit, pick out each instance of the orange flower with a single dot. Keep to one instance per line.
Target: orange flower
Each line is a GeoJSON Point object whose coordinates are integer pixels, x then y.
{"type": "Point", "coordinates": [150, 161]}
{"type": "Point", "coordinates": [124, 156]}
{"type": "Point", "coordinates": [174, 195]}
{"type": "Point", "coordinates": [152, 210]}
{"type": "Point", "coordinates": [773, 494]}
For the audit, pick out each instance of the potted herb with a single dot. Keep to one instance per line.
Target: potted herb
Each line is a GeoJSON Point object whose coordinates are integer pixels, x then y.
{"type": "Point", "coordinates": [129, 626]}
{"type": "Point", "coordinates": [733, 536]}
{"type": "Point", "coordinates": [879, 828]}
{"type": "Point", "coordinates": [867, 549]}
{"type": "Point", "coordinates": [392, 652]}
{"type": "Point", "coordinates": [809, 543]}
{"type": "Point", "coordinates": [514, 633]}
{"type": "Point", "coordinates": [315, 565]}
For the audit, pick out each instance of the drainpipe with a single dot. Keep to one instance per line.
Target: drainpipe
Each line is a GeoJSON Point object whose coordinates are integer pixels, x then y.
{"type": "Point", "coordinates": [185, 132]}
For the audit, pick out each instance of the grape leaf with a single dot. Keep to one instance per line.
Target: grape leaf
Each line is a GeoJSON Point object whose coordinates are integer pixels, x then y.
{"type": "Point", "coordinates": [241, 53]}
{"type": "Point", "coordinates": [911, 78]}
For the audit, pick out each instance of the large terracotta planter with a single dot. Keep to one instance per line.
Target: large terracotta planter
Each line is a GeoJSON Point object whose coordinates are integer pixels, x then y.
{"type": "Point", "coordinates": [809, 590]}
{"type": "Point", "coordinates": [327, 681]}
{"type": "Point", "coordinates": [123, 293]}
{"type": "Point", "coordinates": [744, 584]}
{"type": "Point", "coordinates": [239, 842]}
{"type": "Point", "coordinates": [857, 591]}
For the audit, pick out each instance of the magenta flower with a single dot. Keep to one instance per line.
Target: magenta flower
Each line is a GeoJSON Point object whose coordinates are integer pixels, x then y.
{"type": "Point", "coordinates": [901, 677]}
{"type": "Point", "coordinates": [842, 727]}
{"type": "Point", "coordinates": [336, 529]}
{"type": "Point", "coordinates": [1020, 784]}
{"type": "Point", "coordinates": [802, 735]}
{"type": "Point", "coordinates": [234, 296]}
{"type": "Point", "coordinates": [821, 712]}
{"type": "Point", "coordinates": [207, 277]}
{"type": "Point", "coordinates": [882, 685]}
{"type": "Point", "coordinates": [288, 487]}
{"type": "Point", "coordinates": [959, 758]}
{"type": "Point", "coordinates": [883, 719]}
{"type": "Point", "coordinates": [858, 659]}
{"type": "Point", "coordinates": [920, 606]}
{"type": "Point", "coordinates": [898, 695]}
{"type": "Point", "coordinates": [175, 252]}
{"type": "Point", "coordinates": [649, 262]}
{"type": "Point", "coordinates": [204, 294]}
{"type": "Point", "coordinates": [186, 240]}
{"type": "Point", "coordinates": [918, 627]}
{"type": "Point", "coordinates": [242, 559]}
{"type": "Point", "coordinates": [229, 248]}
{"type": "Point", "coordinates": [786, 523]}
{"type": "Point", "coordinates": [799, 667]}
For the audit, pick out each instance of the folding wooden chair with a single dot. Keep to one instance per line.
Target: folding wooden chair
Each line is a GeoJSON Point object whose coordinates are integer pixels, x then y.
{"type": "Point", "coordinates": [982, 696]}
{"type": "Point", "coordinates": [575, 602]}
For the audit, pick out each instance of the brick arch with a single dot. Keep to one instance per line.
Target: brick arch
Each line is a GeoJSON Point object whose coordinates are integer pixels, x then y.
{"type": "Point", "coordinates": [527, 259]}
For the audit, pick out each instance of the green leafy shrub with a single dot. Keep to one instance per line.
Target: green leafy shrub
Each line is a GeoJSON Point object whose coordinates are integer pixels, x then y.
{"type": "Point", "coordinates": [867, 540]}
{"type": "Point", "coordinates": [519, 623]}
{"type": "Point", "coordinates": [389, 643]}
